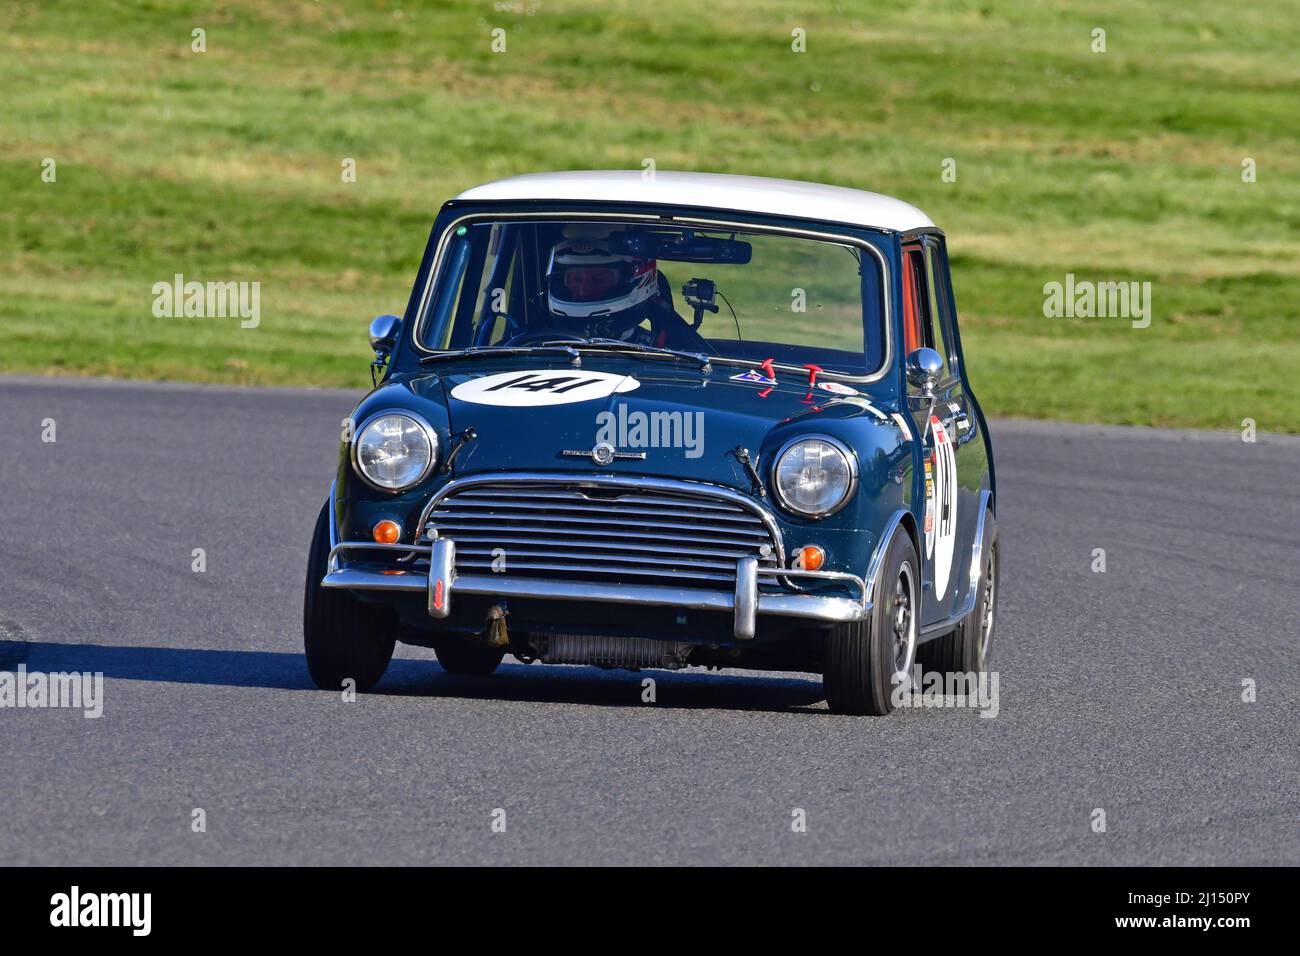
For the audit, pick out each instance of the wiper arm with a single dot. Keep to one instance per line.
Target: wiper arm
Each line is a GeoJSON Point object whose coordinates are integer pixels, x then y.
{"type": "Point", "coordinates": [611, 344]}
{"type": "Point", "coordinates": [477, 351]}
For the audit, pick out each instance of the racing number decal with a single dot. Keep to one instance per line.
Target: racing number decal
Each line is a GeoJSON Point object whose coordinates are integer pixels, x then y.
{"type": "Point", "coordinates": [546, 387]}
{"type": "Point", "coordinates": [543, 383]}
{"type": "Point", "coordinates": [940, 506]}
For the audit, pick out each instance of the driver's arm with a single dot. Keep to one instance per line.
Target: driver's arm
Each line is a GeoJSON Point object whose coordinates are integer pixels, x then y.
{"type": "Point", "coordinates": [671, 331]}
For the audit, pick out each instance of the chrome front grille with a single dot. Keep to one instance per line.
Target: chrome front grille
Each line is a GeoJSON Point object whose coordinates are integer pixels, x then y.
{"type": "Point", "coordinates": [616, 529]}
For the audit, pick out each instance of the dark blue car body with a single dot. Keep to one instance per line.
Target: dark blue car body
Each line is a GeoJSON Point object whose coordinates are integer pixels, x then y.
{"type": "Point", "coordinates": [522, 542]}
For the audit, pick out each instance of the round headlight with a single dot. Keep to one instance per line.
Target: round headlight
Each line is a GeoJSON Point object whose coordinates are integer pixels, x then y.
{"type": "Point", "coordinates": [394, 451]}
{"type": "Point", "coordinates": [814, 476]}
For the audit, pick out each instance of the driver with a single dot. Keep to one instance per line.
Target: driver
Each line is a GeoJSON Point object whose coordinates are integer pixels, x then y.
{"type": "Point", "coordinates": [596, 292]}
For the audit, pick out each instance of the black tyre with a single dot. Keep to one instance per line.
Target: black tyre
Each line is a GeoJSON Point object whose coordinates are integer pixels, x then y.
{"type": "Point", "coordinates": [343, 638]}
{"type": "Point", "coordinates": [861, 659]}
{"type": "Point", "coordinates": [966, 649]}
{"type": "Point", "coordinates": [459, 656]}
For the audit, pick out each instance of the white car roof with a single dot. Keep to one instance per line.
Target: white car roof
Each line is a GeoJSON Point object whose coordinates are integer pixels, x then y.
{"type": "Point", "coordinates": [758, 194]}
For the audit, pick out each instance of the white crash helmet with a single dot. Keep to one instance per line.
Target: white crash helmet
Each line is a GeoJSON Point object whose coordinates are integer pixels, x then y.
{"type": "Point", "coordinates": [585, 280]}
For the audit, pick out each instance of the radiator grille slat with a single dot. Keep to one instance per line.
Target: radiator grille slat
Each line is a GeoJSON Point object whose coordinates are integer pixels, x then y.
{"type": "Point", "coordinates": [594, 493]}
{"type": "Point", "coordinates": [592, 536]}
{"type": "Point", "coordinates": [525, 568]}
{"type": "Point", "coordinates": [529, 508]}
{"type": "Point", "coordinates": [449, 518]}
{"type": "Point", "coordinates": [480, 544]}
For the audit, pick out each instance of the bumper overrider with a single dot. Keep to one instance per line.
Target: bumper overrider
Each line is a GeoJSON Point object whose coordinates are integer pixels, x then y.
{"type": "Point", "coordinates": [447, 559]}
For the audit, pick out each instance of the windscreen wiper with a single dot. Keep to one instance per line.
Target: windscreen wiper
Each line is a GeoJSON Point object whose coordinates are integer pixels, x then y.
{"type": "Point", "coordinates": [612, 344]}
{"type": "Point", "coordinates": [477, 351]}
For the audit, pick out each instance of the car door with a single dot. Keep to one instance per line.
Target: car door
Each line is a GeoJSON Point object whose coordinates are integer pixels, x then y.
{"type": "Point", "coordinates": [949, 491]}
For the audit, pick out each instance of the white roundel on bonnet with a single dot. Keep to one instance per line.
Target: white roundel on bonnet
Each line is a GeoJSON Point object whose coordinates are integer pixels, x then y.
{"type": "Point", "coordinates": [520, 389]}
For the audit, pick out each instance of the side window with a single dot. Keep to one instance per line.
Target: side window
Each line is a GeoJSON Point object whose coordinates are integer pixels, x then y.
{"type": "Point", "coordinates": [920, 315]}
{"type": "Point", "coordinates": [943, 308]}
{"type": "Point", "coordinates": [480, 284]}
{"type": "Point", "coordinates": [499, 304]}
{"type": "Point", "coordinates": [914, 300]}
{"type": "Point", "coordinates": [453, 311]}
{"type": "Point", "coordinates": [491, 264]}
{"type": "Point", "coordinates": [490, 299]}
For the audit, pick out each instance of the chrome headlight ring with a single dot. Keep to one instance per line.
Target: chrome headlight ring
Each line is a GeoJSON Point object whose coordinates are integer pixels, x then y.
{"type": "Point", "coordinates": [421, 435]}
{"type": "Point", "coordinates": [831, 503]}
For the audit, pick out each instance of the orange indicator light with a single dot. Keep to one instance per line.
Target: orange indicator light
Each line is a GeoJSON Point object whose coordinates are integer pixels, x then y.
{"type": "Point", "coordinates": [809, 558]}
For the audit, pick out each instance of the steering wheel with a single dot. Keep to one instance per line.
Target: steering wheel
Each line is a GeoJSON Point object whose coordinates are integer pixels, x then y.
{"type": "Point", "coordinates": [543, 335]}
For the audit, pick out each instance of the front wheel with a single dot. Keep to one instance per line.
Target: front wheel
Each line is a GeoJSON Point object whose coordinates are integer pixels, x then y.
{"type": "Point", "coordinates": [344, 639]}
{"type": "Point", "coordinates": [863, 661]}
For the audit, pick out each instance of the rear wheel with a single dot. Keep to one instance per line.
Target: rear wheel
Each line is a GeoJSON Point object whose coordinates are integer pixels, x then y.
{"type": "Point", "coordinates": [966, 648]}
{"type": "Point", "coordinates": [459, 656]}
{"type": "Point", "coordinates": [862, 660]}
{"type": "Point", "coordinates": [344, 639]}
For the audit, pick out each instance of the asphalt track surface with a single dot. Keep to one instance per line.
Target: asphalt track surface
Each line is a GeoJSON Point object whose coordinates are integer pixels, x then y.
{"type": "Point", "coordinates": [1120, 691]}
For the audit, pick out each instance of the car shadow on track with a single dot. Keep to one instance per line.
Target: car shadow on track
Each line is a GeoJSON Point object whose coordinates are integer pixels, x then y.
{"type": "Point", "coordinates": [693, 689]}
{"type": "Point", "coordinates": [269, 669]}
{"type": "Point", "coordinates": [276, 670]}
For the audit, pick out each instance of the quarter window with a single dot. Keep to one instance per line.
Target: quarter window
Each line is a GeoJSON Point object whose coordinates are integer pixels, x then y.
{"type": "Point", "coordinates": [921, 321]}
{"type": "Point", "coordinates": [943, 315]}
{"type": "Point", "coordinates": [914, 300]}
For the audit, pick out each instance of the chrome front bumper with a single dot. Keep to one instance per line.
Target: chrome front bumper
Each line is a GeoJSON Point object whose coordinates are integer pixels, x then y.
{"type": "Point", "coordinates": [745, 602]}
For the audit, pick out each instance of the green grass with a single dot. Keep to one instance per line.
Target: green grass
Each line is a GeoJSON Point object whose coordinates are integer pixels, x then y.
{"type": "Point", "coordinates": [1124, 165]}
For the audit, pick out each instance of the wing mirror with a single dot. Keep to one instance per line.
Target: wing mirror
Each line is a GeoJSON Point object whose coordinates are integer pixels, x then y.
{"type": "Point", "coordinates": [383, 334]}
{"type": "Point", "coordinates": [383, 339]}
{"type": "Point", "coordinates": [924, 366]}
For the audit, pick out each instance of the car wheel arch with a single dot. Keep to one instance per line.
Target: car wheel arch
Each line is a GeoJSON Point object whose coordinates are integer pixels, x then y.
{"type": "Point", "coordinates": [901, 518]}
{"type": "Point", "coordinates": [909, 522]}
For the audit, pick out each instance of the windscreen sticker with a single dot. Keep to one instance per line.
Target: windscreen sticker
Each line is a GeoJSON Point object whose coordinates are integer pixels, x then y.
{"type": "Point", "coordinates": [929, 507]}
{"type": "Point", "coordinates": [543, 387]}
{"type": "Point", "coordinates": [756, 377]}
{"type": "Point", "coordinates": [836, 388]}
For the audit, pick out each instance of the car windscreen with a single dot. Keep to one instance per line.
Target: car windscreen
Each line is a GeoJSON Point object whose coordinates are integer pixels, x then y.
{"type": "Point", "coordinates": [741, 296]}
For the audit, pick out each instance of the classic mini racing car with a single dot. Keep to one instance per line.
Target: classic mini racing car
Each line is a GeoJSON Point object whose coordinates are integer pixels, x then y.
{"type": "Point", "coordinates": [652, 422]}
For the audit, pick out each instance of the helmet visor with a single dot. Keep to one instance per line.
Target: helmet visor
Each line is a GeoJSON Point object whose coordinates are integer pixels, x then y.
{"type": "Point", "coordinates": [596, 282]}
{"type": "Point", "coordinates": [586, 283]}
